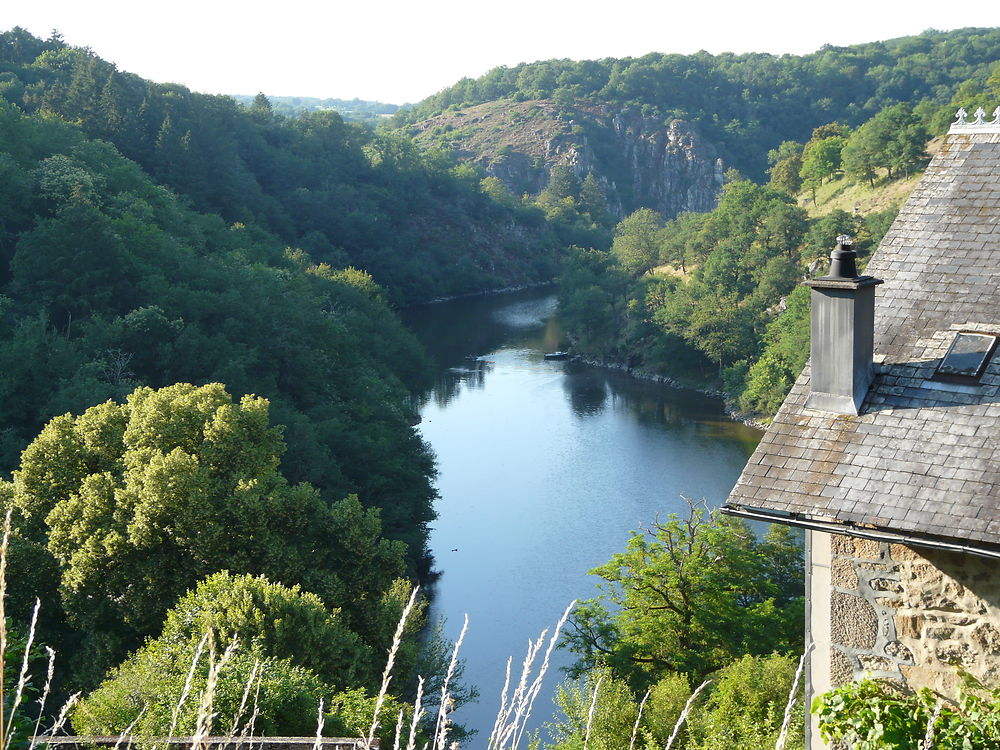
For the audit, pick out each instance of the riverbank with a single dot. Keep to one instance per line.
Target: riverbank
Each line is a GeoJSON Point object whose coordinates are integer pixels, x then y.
{"type": "Point", "coordinates": [486, 293]}
{"type": "Point", "coordinates": [731, 410]}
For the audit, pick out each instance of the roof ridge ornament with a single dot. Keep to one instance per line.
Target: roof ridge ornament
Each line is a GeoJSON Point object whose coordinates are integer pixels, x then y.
{"type": "Point", "coordinates": [979, 125]}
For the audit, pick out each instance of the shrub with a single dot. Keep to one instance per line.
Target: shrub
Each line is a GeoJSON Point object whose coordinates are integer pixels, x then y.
{"type": "Point", "coordinates": [871, 715]}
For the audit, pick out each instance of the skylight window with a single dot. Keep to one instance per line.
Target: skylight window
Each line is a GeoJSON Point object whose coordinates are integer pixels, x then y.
{"type": "Point", "coordinates": [967, 356]}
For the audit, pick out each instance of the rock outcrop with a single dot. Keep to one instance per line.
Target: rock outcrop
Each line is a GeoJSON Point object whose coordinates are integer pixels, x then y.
{"type": "Point", "coordinates": [637, 160]}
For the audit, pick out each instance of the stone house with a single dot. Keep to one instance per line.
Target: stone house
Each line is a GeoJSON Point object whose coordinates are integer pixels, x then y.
{"type": "Point", "coordinates": [887, 449]}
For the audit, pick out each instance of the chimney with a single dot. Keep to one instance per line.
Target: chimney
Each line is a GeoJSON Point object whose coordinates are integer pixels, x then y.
{"type": "Point", "coordinates": [843, 332]}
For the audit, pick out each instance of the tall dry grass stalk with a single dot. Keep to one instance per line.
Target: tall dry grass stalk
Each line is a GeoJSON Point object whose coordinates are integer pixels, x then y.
{"type": "Point", "coordinates": [4, 730]}
{"type": "Point", "coordinates": [186, 690]}
{"type": "Point", "coordinates": [243, 701]}
{"type": "Point", "coordinates": [22, 678]}
{"type": "Point", "coordinates": [128, 730]}
{"type": "Point", "coordinates": [63, 714]}
{"type": "Point", "coordinates": [251, 725]}
{"type": "Point", "coordinates": [928, 743]}
{"type": "Point", "coordinates": [418, 712]}
{"type": "Point", "coordinates": [514, 712]}
{"type": "Point", "coordinates": [447, 704]}
{"type": "Point", "coordinates": [205, 716]}
{"type": "Point", "coordinates": [786, 722]}
{"type": "Point", "coordinates": [398, 736]}
{"type": "Point", "coordinates": [390, 662]}
{"type": "Point", "coordinates": [638, 718]}
{"type": "Point", "coordinates": [320, 721]}
{"type": "Point", "coordinates": [44, 697]}
{"type": "Point", "coordinates": [590, 713]}
{"type": "Point", "coordinates": [684, 714]}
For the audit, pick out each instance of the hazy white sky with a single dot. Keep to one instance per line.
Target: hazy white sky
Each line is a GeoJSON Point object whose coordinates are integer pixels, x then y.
{"type": "Point", "coordinates": [397, 51]}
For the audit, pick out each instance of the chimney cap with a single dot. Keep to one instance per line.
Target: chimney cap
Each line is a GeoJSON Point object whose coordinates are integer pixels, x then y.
{"type": "Point", "coordinates": [843, 268]}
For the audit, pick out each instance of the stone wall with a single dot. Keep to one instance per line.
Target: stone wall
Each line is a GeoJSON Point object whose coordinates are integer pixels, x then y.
{"type": "Point", "coordinates": [912, 614]}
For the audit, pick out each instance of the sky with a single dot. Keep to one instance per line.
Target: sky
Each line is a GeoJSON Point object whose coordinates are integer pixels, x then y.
{"type": "Point", "coordinates": [397, 51]}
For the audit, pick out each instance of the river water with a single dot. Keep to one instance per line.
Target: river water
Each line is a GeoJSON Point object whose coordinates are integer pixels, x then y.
{"type": "Point", "coordinates": [545, 467]}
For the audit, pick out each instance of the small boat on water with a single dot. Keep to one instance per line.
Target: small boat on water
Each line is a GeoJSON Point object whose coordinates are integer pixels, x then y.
{"type": "Point", "coordinates": [556, 355]}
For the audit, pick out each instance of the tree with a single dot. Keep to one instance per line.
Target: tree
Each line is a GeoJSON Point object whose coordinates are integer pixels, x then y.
{"type": "Point", "coordinates": [261, 108]}
{"type": "Point", "coordinates": [863, 152]}
{"type": "Point", "coordinates": [690, 595]}
{"type": "Point", "coordinates": [822, 158]}
{"type": "Point", "coordinates": [563, 183]}
{"type": "Point", "coordinates": [893, 139]}
{"type": "Point", "coordinates": [139, 501]}
{"type": "Point", "coordinates": [270, 632]}
{"type": "Point", "coordinates": [593, 201]}
{"type": "Point", "coordinates": [787, 174]}
{"type": "Point", "coordinates": [785, 150]}
{"type": "Point", "coordinates": [905, 149]}
{"type": "Point", "coordinates": [637, 241]}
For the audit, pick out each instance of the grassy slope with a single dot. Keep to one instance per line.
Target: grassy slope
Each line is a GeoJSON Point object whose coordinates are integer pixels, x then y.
{"type": "Point", "coordinates": [484, 129]}
{"type": "Point", "coordinates": [841, 194]}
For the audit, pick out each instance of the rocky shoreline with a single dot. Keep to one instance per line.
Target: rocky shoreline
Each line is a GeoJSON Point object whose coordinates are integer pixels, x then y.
{"type": "Point", "coordinates": [731, 411]}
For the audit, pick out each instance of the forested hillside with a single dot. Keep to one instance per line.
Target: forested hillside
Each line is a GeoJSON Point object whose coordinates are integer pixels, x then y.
{"type": "Point", "coordinates": [350, 109]}
{"type": "Point", "coordinates": [745, 104]}
{"type": "Point", "coordinates": [336, 190]}
{"type": "Point", "coordinates": [196, 396]}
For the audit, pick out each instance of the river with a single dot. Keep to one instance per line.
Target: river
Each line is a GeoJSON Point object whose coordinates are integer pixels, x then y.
{"type": "Point", "coordinates": [545, 467]}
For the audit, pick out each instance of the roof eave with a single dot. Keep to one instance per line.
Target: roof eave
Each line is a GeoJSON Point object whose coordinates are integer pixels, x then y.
{"type": "Point", "coordinates": [909, 539]}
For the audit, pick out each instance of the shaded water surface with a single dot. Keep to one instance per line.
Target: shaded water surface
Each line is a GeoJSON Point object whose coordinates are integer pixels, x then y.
{"type": "Point", "coordinates": [544, 469]}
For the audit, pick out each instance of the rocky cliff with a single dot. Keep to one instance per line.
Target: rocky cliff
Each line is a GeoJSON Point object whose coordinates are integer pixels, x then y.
{"type": "Point", "coordinates": [637, 160]}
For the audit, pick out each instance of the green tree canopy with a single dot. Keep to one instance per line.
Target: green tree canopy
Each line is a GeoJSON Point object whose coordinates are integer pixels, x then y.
{"type": "Point", "coordinates": [638, 240]}
{"type": "Point", "coordinates": [287, 653]}
{"type": "Point", "coordinates": [141, 500]}
{"type": "Point", "coordinates": [690, 596]}
{"type": "Point", "coordinates": [822, 158]}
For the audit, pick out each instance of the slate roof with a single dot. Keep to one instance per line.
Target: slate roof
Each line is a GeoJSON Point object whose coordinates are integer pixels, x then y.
{"type": "Point", "coordinates": [923, 457]}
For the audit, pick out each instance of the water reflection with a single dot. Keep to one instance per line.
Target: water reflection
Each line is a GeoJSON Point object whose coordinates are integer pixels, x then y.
{"type": "Point", "coordinates": [544, 468]}
{"type": "Point", "coordinates": [586, 389]}
{"type": "Point", "coordinates": [460, 334]}
{"type": "Point", "coordinates": [470, 374]}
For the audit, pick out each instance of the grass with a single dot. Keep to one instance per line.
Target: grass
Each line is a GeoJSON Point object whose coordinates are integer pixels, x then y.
{"type": "Point", "coordinates": [860, 197]}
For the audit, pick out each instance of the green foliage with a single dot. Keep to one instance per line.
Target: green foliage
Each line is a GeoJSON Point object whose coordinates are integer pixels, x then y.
{"type": "Point", "coordinates": [139, 501]}
{"type": "Point", "coordinates": [767, 99]}
{"type": "Point", "coordinates": [611, 721]}
{"type": "Point", "coordinates": [787, 174]}
{"type": "Point", "coordinates": [822, 158]}
{"type": "Point", "coordinates": [269, 620]}
{"type": "Point", "coordinates": [154, 677]}
{"type": "Point", "coordinates": [893, 139]}
{"type": "Point", "coordinates": [19, 720]}
{"type": "Point", "coordinates": [743, 707]}
{"type": "Point", "coordinates": [353, 195]}
{"type": "Point", "coordinates": [637, 241]}
{"type": "Point", "coordinates": [747, 248]}
{"type": "Point", "coordinates": [351, 712]}
{"type": "Point", "coordinates": [746, 705]}
{"type": "Point", "coordinates": [786, 351]}
{"type": "Point", "coordinates": [691, 595]}
{"type": "Point", "coordinates": [871, 715]}
{"type": "Point", "coordinates": [288, 653]}
{"type": "Point", "coordinates": [108, 281]}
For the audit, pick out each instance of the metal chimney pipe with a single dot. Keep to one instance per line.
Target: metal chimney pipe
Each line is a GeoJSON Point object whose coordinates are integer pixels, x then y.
{"type": "Point", "coordinates": [843, 260]}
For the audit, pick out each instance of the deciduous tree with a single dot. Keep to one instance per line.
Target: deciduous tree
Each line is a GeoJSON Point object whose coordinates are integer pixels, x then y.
{"type": "Point", "coordinates": [691, 595]}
